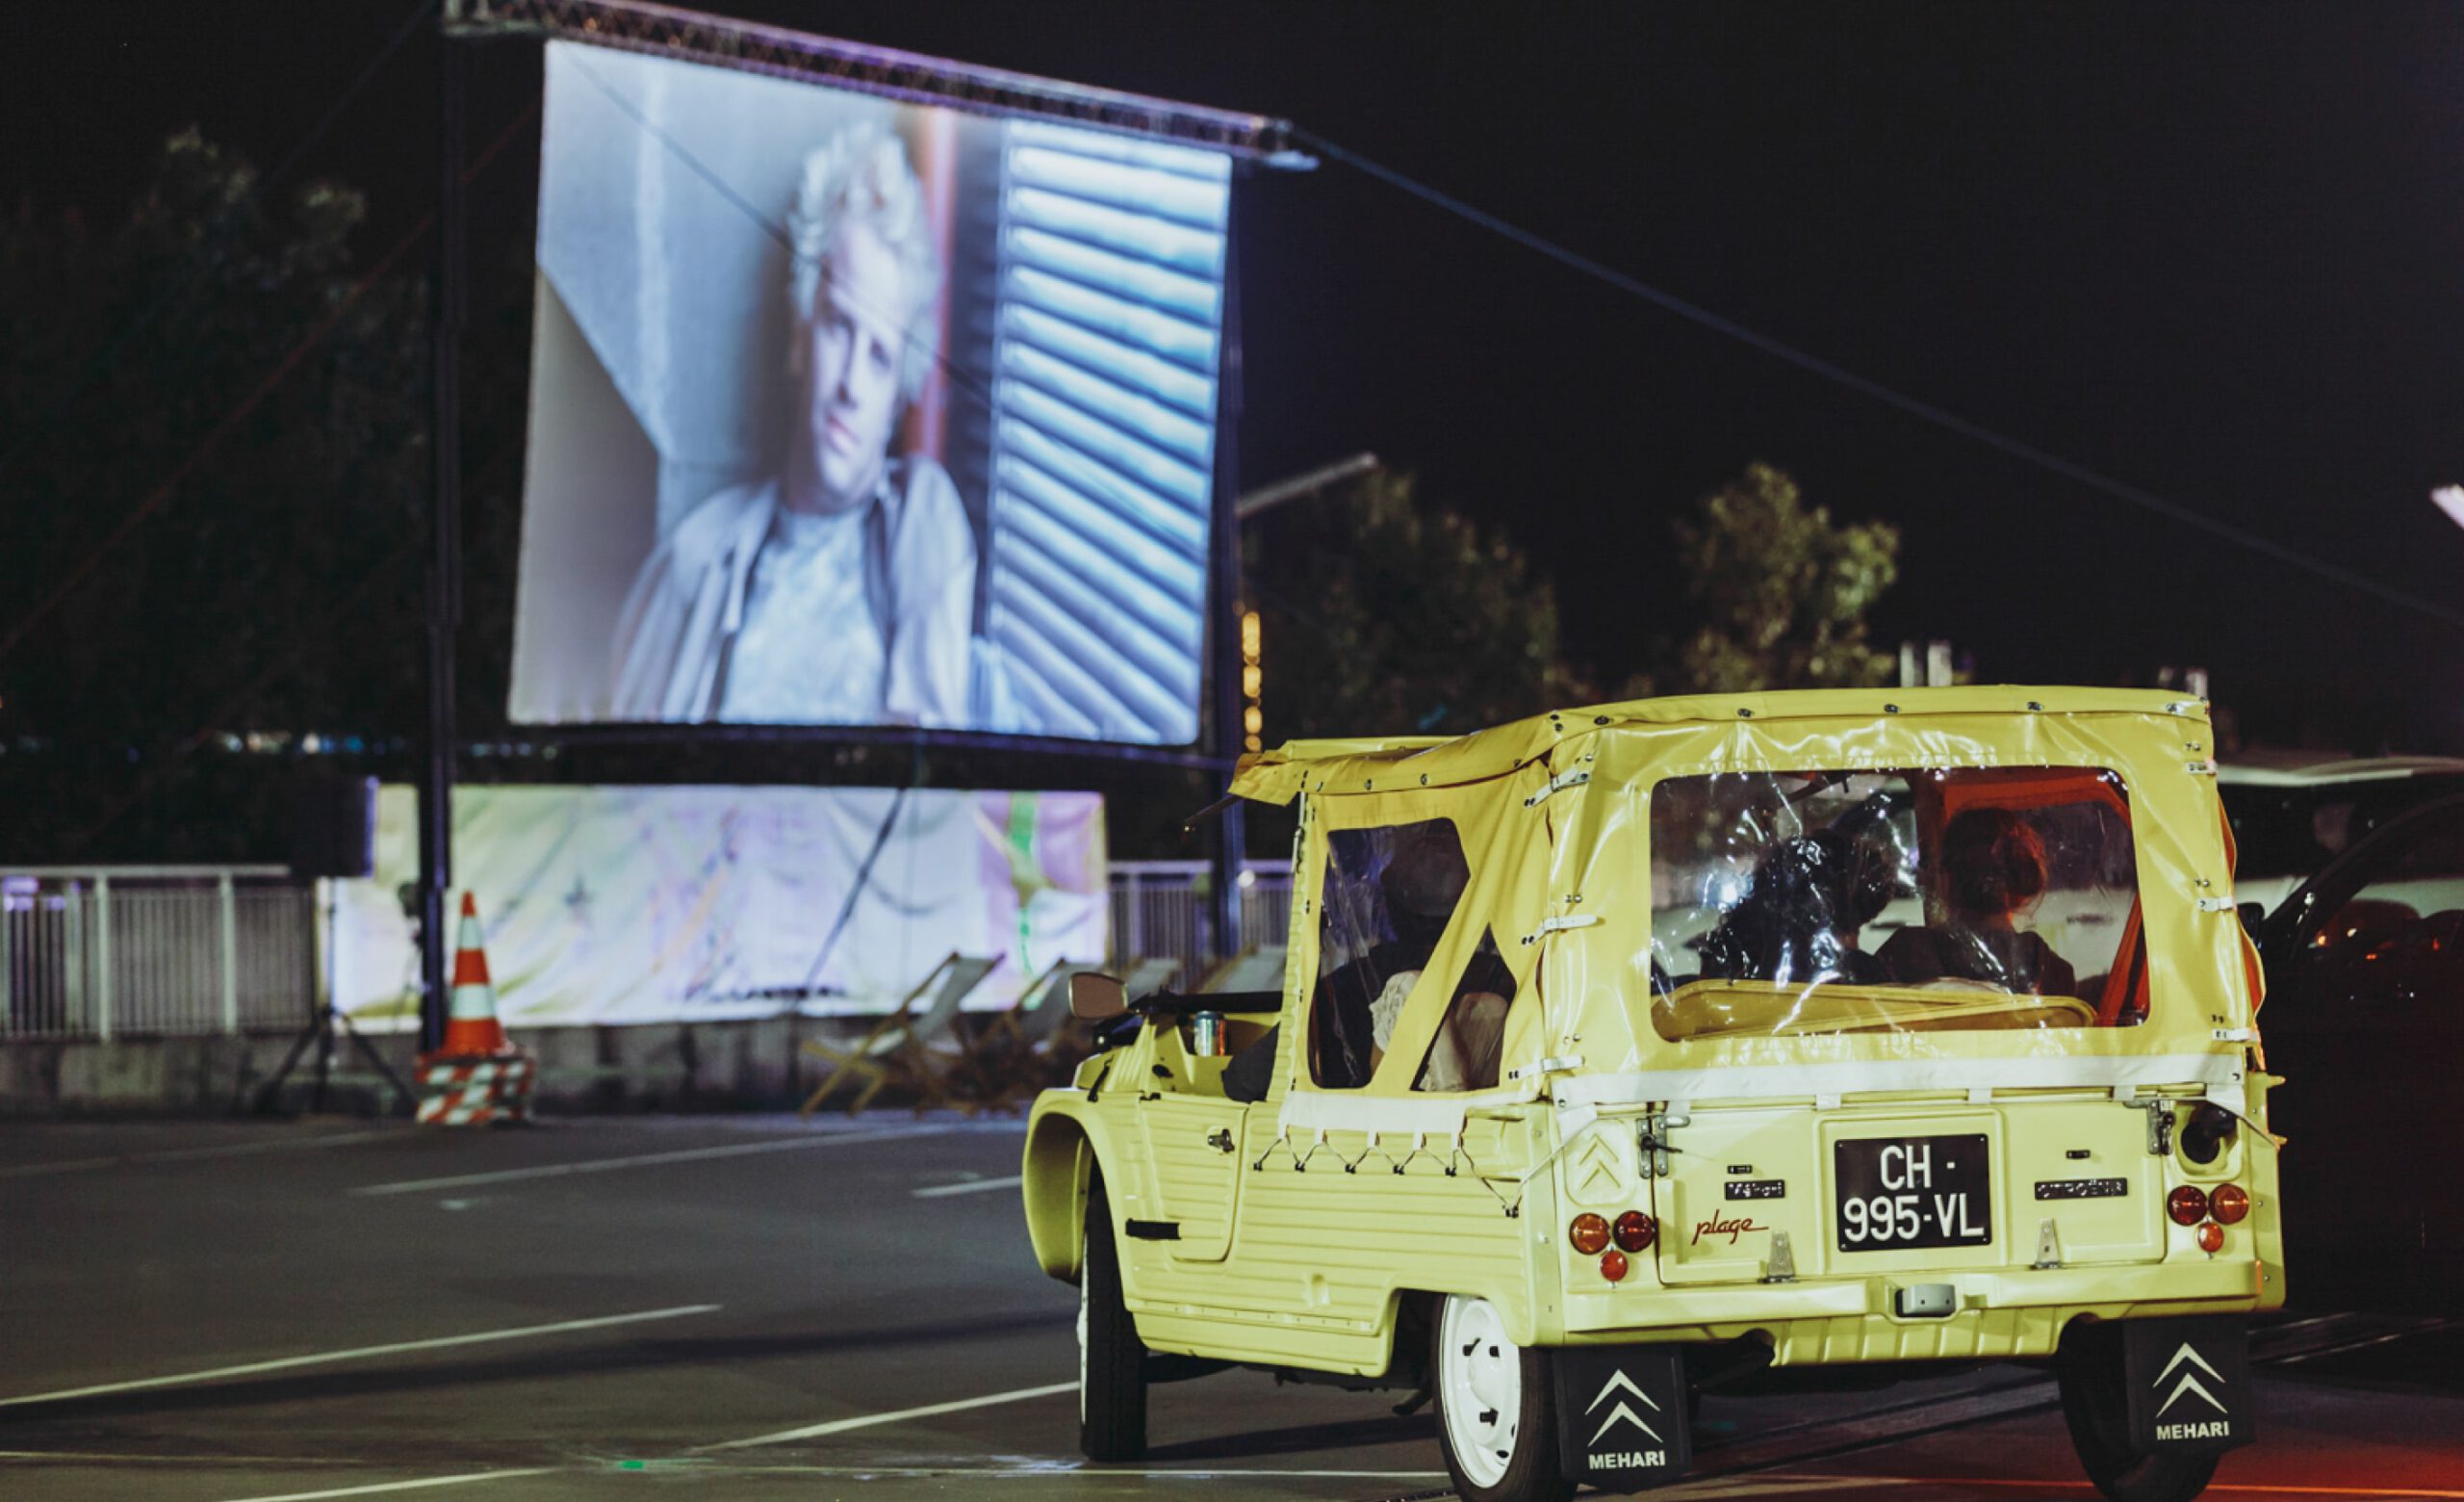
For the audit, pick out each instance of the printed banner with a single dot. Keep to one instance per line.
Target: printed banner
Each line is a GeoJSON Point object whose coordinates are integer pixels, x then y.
{"type": "Point", "coordinates": [664, 904]}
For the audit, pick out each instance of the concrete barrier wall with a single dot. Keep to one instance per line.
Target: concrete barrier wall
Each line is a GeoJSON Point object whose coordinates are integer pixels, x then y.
{"type": "Point", "coordinates": [718, 1066]}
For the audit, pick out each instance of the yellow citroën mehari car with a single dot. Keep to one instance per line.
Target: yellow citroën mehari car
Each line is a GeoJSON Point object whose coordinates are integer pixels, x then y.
{"type": "Point", "coordinates": [1628, 1051]}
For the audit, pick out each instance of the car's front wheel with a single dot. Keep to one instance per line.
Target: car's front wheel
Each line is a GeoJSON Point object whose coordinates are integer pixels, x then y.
{"type": "Point", "coordinates": [1112, 1360]}
{"type": "Point", "coordinates": [1496, 1414]}
{"type": "Point", "coordinates": [2096, 1405]}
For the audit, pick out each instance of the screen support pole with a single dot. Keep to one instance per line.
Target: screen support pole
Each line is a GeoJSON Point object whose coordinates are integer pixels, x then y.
{"type": "Point", "coordinates": [444, 563]}
{"type": "Point", "coordinates": [1231, 835]}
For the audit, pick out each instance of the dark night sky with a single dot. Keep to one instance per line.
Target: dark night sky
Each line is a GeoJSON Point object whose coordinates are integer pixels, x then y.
{"type": "Point", "coordinates": [2216, 252]}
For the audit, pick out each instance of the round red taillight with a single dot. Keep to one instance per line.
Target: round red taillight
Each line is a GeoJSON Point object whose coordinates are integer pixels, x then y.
{"type": "Point", "coordinates": [1635, 1230]}
{"type": "Point", "coordinates": [1613, 1266]}
{"type": "Point", "coordinates": [2211, 1238]}
{"type": "Point", "coordinates": [1589, 1233]}
{"type": "Point", "coordinates": [2188, 1204]}
{"type": "Point", "coordinates": [2229, 1203]}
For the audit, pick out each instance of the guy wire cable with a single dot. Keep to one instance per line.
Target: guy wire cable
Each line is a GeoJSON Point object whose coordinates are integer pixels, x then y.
{"type": "Point", "coordinates": [1889, 396]}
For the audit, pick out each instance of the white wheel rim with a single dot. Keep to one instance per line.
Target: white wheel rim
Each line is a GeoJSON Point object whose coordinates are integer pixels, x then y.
{"type": "Point", "coordinates": [1479, 1375]}
{"type": "Point", "coordinates": [1085, 1274]}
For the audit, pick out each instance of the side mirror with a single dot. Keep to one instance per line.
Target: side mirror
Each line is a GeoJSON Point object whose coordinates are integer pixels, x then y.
{"type": "Point", "coordinates": [1094, 997]}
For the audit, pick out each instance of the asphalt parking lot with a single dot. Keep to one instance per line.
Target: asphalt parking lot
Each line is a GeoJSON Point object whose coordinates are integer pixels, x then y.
{"type": "Point", "coordinates": [761, 1308]}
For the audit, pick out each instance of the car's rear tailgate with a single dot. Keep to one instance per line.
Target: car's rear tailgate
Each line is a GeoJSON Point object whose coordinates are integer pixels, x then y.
{"type": "Point", "coordinates": [1902, 1187]}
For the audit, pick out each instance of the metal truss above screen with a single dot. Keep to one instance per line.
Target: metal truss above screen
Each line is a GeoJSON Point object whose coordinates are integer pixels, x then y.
{"type": "Point", "coordinates": [905, 76]}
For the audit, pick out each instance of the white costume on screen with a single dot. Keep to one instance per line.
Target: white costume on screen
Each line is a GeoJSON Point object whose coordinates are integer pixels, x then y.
{"type": "Point", "coordinates": [748, 614]}
{"type": "Point", "coordinates": [808, 588]}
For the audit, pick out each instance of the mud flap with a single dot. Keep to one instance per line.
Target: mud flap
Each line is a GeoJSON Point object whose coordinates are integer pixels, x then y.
{"type": "Point", "coordinates": [1622, 1420]}
{"type": "Point", "coordinates": [2188, 1382]}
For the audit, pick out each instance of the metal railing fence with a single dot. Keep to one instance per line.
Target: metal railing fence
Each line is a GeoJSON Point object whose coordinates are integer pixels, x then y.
{"type": "Point", "coordinates": [1164, 910]}
{"type": "Point", "coordinates": [144, 950]}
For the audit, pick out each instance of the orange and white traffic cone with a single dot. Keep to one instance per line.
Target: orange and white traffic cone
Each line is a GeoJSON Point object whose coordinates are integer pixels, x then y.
{"type": "Point", "coordinates": [478, 1075]}
{"type": "Point", "coordinates": [471, 1026]}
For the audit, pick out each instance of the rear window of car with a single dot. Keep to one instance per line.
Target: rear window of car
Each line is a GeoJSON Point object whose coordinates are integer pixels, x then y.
{"type": "Point", "coordinates": [1893, 901]}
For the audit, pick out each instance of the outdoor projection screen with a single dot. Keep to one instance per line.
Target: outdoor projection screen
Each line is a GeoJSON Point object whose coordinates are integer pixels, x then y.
{"type": "Point", "coordinates": [847, 411]}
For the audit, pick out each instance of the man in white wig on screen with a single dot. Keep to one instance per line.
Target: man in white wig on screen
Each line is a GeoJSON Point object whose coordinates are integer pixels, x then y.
{"type": "Point", "coordinates": [842, 591]}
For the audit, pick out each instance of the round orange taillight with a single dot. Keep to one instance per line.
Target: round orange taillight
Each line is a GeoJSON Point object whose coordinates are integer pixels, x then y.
{"type": "Point", "coordinates": [2188, 1204]}
{"type": "Point", "coordinates": [2211, 1238]}
{"type": "Point", "coordinates": [1612, 1266]}
{"type": "Point", "coordinates": [2229, 1203]}
{"type": "Point", "coordinates": [1635, 1230]}
{"type": "Point", "coordinates": [1589, 1233]}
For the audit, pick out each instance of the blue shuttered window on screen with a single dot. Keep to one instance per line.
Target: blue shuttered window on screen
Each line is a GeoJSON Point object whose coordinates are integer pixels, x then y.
{"type": "Point", "coordinates": [1104, 363]}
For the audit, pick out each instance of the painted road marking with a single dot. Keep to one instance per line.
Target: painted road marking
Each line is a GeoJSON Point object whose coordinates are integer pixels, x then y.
{"type": "Point", "coordinates": [2280, 1490]}
{"type": "Point", "coordinates": [184, 1154]}
{"type": "Point", "coordinates": [972, 1186]}
{"type": "Point", "coordinates": [647, 1161]}
{"type": "Point", "coordinates": [1066, 1469]}
{"type": "Point", "coordinates": [839, 1426]}
{"type": "Point", "coordinates": [401, 1486]}
{"type": "Point", "coordinates": [322, 1357]}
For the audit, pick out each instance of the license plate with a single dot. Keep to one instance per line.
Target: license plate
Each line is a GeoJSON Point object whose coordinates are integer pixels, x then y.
{"type": "Point", "coordinates": [1898, 1194]}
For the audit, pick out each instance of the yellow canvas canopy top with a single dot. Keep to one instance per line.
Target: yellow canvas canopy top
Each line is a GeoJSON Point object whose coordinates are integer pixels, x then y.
{"type": "Point", "coordinates": [1555, 814]}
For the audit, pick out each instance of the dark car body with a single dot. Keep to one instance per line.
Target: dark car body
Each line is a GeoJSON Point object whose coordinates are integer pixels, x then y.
{"type": "Point", "coordinates": [2365, 1020]}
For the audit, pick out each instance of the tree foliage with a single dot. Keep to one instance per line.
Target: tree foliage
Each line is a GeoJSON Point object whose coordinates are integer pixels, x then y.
{"type": "Point", "coordinates": [1383, 614]}
{"type": "Point", "coordinates": [1779, 590]}
{"type": "Point", "coordinates": [129, 349]}
{"type": "Point", "coordinates": [275, 577]}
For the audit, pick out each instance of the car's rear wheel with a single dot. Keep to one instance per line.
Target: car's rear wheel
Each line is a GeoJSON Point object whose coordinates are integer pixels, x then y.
{"type": "Point", "coordinates": [1496, 1414]}
{"type": "Point", "coordinates": [2096, 1405]}
{"type": "Point", "coordinates": [1112, 1360]}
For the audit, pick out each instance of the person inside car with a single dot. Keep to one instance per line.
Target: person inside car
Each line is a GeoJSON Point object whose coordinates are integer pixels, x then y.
{"type": "Point", "coordinates": [1993, 870]}
{"type": "Point", "coordinates": [1802, 911]}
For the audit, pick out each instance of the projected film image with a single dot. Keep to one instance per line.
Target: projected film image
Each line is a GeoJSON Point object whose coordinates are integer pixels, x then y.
{"type": "Point", "coordinates": [850, 413]}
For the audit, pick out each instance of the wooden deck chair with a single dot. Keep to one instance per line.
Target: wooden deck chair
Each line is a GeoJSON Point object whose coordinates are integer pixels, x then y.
{"type": "Point", "coordinates": [891, 1051]}
{"type": "Point", "coordinates": [1257, 968]}
{"type": "Point", "coordinates": [1149, 976]}
{"type": "Point", "coordinates": [1071, 1041]}
{"type": "Point", "coordinates": [1004, 1058]}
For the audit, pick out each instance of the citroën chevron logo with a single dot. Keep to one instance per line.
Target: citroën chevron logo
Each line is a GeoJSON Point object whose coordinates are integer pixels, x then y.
{"type": "Point", "coordinates": [2189, 1385]}
{"type": "Point", "coordinates": [1619, 1381]}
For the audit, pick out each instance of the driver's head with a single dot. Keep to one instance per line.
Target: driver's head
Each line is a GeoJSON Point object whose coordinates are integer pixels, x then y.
{"type": "Point", "coordinates": [867, 279]}
{"type": "Point", "coordinates": [1993, 863]}
{"type": "Point", "coordinates": [1423, 879]}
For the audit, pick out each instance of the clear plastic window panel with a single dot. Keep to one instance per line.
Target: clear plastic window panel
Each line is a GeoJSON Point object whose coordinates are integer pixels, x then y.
{"type": "Point", "coordinates": [1893, 902]}
{"type": "Point", "coordinates": [1471, 1037]}
{"type": "Point", "coordinates": [1388, 894]}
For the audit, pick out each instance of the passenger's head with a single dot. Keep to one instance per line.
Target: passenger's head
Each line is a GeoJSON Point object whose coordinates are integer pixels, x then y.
{"type": "Point", "coordinates": [1993, 863]}
{"type": "Point", "coordinates": [1424, 880]}
{"type": "Point", "coordinates": [866, 276]}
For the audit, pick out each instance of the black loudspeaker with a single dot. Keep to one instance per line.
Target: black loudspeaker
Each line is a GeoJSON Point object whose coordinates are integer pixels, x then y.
{"type": "Point", "coordinates": [333, 826]}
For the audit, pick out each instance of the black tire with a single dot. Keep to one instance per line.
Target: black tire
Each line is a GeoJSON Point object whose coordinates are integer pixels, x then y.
{"type": "Point", "coordinates": [1112, 1360]}
{"type": "Point", "coordinates": [2096, 1408]}
{"type": "Point", "coordinates": [1515, 1460]}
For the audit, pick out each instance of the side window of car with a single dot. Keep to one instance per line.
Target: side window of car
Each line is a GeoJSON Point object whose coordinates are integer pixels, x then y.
{"type": "Point", "coordinates": [2399, 937]}
{"type": "Point", "coordinates": [1471, 1037]}
{"type": "Point", "coordinates": [1388, 894]}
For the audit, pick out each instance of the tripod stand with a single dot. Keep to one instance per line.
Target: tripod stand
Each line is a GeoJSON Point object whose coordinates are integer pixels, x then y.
{"type": "Point", "coordinates": [325, 1020]}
